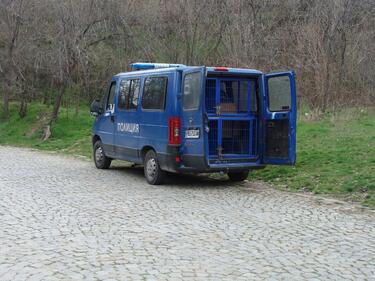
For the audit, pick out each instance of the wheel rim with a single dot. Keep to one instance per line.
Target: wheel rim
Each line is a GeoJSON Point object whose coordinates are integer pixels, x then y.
{"type": "Point", "coordinates": [151, 168]}
{"type": "Point", "coordinates": [99, 154]}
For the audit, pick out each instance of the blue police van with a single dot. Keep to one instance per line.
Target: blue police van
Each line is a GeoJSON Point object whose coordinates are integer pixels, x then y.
{"type": "Point", "coordinates": [195, 119]}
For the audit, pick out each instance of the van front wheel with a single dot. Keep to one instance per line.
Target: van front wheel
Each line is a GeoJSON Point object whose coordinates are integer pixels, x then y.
{"type": "Point", "coordinates": [153, 173]}
{"type": "Point", "coordinates": [238, 176]}
{"type": "Point", "coordinates": [101, 161]}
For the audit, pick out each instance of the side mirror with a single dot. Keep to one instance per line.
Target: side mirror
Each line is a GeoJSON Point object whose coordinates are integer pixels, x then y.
{"type": "Point", "coordinates": [95, 108]}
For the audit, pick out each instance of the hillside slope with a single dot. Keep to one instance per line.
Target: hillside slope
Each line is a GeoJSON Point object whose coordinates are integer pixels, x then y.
{"type": "Point", "coordinates": [335, 154]}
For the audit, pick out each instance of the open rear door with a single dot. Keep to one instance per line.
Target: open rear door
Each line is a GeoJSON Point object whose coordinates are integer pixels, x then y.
{"type": "Point", "coordinates": [279, 115]}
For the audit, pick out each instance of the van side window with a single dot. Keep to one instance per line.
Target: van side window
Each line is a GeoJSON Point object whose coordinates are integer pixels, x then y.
{"type": "Point", "coordinates": [154, 92]}
{"type": "Point", "coordinates": [111, 97]}
{"type": "Point", "coordinates": [192, 90]}
{"type": "Point", "coordinates": [129, 93]}
{"type": "Point", "coordinates": [103, 101]}
{"type": "Point", "coordinates": [279, 93]}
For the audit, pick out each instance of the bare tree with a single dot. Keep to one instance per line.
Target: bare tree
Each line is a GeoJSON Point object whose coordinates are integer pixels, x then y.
{"type": "Point", "coordinates": [51, 47]}
{"type": "Point", "coordinates": [11, 18]}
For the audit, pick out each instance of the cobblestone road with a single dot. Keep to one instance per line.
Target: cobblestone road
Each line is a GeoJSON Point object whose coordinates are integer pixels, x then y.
{"type": "Point", "coordinates": [62, 219]}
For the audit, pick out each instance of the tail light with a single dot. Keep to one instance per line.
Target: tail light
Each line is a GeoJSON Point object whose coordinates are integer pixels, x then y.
{"type": "Point", "coordinates": [174, 131]}
{"type": "Point", "coordinates": [221, 68]}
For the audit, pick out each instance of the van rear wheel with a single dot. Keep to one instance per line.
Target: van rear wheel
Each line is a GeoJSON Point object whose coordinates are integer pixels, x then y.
{"type": "Point", "coordinates": [101, 161]}
{"type": "Point", "coordinates": [238, 176]}
{"type": "Point", "coordinates": [153, 173]}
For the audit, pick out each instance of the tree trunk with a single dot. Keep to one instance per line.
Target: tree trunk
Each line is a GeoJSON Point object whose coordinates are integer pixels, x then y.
{"type": "Point", "coordinates": [6, 102]}
{"type": "Point", "coordinates": [77, 104]}
{"type": "Point", "coordinates": [45, 97]}
{"type": "Point", "coordinates": [327, 88]}
{"type": "Point", "coordinates": [56, 106]}
{"type": "Point", "coordinates": [10, 77]}
{"type": "Point", "coordinates": [23, 109]}
{"type": "Point", "coordinates": [47, 132]}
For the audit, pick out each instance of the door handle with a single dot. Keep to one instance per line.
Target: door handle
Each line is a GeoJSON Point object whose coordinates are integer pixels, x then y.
{"type": "Point", "coordinates": [205, 123]}
{"type": "Point", "coordinates": [218, 109]}
{"type": "Point", "coordinates": [205, 118]}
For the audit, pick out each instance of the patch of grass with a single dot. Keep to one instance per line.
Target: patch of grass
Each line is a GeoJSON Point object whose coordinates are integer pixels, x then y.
{"type": "Point", "coordinates": [335, 152]}
{"type": "Point", "coordinates": [70, 134]}
{"type": "Point", "coordinates": [335, 155]}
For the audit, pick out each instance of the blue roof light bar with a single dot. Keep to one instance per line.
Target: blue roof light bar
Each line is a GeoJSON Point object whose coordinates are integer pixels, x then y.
{"type": "Point", "coordinates": [147, 65]}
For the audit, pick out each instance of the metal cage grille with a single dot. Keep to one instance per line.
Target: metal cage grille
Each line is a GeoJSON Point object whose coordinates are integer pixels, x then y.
{"type": "Point", "coordinates": [235, 137]}
{"type": "Point", "coordinates": [231, 108]}
{"type": "Point", "coordinates": [213, 137]}
{"type": "Point", "coordinates": [229, 96]}
{"type": "Point", "coordinates": [254, 137]}
{"type": "Point", "coordinates": [210, 97]}
{"type": "Point", "coordinates": [232, 138]}
{"type": "Point", "coordinates": [234, 96]}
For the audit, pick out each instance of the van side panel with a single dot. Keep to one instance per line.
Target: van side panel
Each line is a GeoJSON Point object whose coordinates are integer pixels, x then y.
{"type": "Point", "coordinates": [153, 124]}
{"type": "Point", "coordinates": [127, 131]}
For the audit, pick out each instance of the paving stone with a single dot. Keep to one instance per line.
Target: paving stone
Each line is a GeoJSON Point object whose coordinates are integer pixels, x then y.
{"type": "Point", "coordinates": [62, 219]}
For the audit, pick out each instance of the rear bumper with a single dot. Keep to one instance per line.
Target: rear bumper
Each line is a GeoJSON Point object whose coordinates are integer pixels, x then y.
{"type": "Point", "coordinates": [198, 163]}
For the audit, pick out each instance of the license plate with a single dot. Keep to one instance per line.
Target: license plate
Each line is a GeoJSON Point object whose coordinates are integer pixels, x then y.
{"type": "Point", "coordinates": [192, 134]}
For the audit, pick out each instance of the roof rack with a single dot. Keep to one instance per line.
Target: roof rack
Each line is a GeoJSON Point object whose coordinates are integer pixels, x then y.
{"type": "Point", "coordinates": [147, 65]}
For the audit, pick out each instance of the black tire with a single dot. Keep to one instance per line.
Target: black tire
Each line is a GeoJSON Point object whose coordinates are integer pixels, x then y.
{"type": "Point", "coordinates": [238, 176]}
{"type": "Point", "coordinates": [101, 161]}
{"type": "Point", "coordinates": [153, 173]}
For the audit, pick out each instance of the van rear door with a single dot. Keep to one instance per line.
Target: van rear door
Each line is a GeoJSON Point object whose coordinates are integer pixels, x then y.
{"type": "Point", "coordinates": [192, 115]}
{"type": "Point", "coordinates": [279, 119]}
